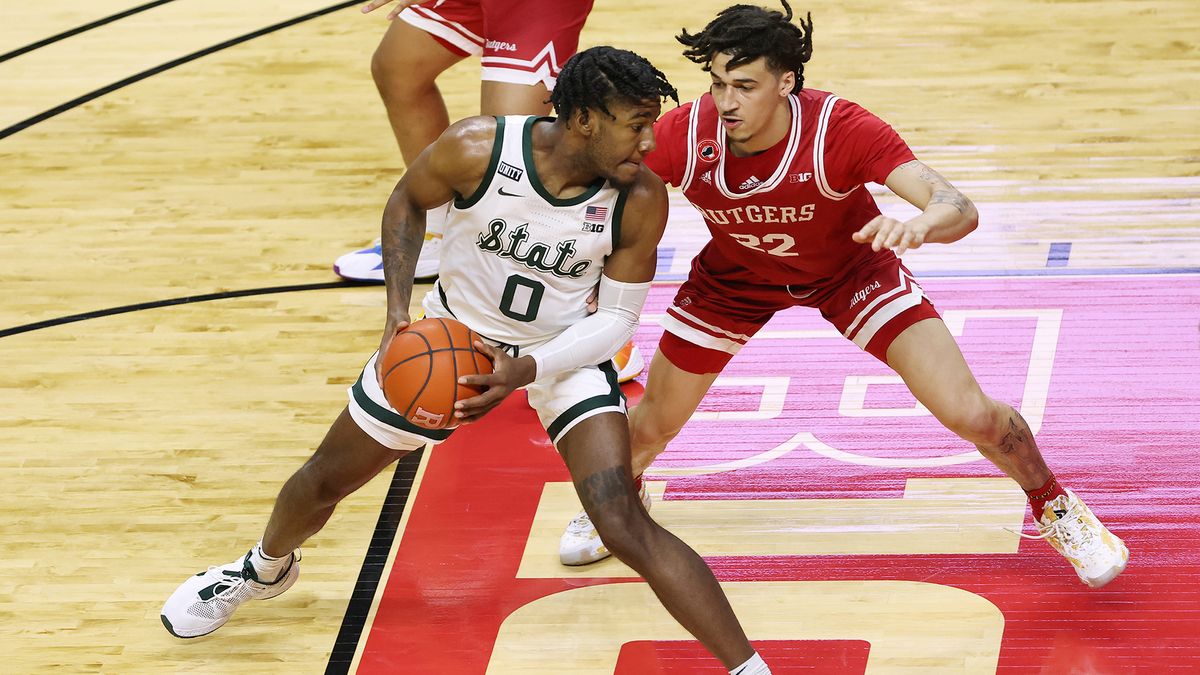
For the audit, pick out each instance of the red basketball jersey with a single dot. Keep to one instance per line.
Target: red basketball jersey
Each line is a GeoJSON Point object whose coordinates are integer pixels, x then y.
{"type": "Point", "coordinates": [785, 215]}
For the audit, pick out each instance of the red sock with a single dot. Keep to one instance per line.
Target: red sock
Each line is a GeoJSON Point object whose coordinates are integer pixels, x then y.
{"type": "Point", "coordinates": [1040, 496]}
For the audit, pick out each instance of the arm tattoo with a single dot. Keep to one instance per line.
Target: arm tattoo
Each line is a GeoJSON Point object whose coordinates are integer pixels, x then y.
{"type": "Point", "coordinates": [943, 191]}
{"type": "Point", "coordinates": [604, 486]}
{"type": "Point", "coordinates": [398, 243]}
{"type": "Point", "coordinates": [950, 196]}
{"type": "Point", "coordinates": [1018, 435]}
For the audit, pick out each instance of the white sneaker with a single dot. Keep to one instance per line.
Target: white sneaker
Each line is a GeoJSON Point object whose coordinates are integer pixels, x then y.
{"type": "Point", "coordinates": [367, 264]}
{"type": "Point", "coordinates": [580, 543]}
{"type": "Point", "coordinates": [430, 258]}
{"type": "Point", "coordinates": [629, 362]}
{"type": "Point", "coordinates": [1073, 530]}
{"type": "Point", "coordinates": [205, 601]}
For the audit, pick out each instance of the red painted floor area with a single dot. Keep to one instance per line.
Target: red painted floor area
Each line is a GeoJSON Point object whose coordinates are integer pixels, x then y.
{"type": "Point", "coordinates": [1119, 373]}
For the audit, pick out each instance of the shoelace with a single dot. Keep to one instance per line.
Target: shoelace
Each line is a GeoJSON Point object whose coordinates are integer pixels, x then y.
{"type": "Point", "coordinates": [1056, 528]}
{"type": "Point", "coordinates": [580, 522]}
{"type": "Point", "coordinates": [1064, 530]}
{"type": "Point", "coordinates": [235, 580]}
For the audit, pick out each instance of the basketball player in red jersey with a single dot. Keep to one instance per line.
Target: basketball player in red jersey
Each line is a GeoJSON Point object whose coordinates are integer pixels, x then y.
{"type": "Point", "coordinates": [777, 171]}
{"type": "Point", "coordinates": [522, 45]}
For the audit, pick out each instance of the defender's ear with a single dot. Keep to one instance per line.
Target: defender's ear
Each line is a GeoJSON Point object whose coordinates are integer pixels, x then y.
{"type": "Point", "coordinates": [786, 83]}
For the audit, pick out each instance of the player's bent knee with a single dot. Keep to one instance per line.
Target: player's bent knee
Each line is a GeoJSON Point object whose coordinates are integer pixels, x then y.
{"type": "Point", "coordinates": [978, 420]}
{"type": "Point", "coordinates": [624, 527]}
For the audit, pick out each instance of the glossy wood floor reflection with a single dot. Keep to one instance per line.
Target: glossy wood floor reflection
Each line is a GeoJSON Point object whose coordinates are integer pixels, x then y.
{"type": "Point", "coordinates": [139, 447]}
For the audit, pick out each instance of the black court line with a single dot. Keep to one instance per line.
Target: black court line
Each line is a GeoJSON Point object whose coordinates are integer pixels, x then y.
{"type": "Point", "coordinates": [375, 561]}
{"type": "Point", "coordinates": [81, 29]}
{"type": "Point", "coordinates": [170, 302]}
{"type": "Point", "coordinates": [92, 95]}
{"type": "Point", "coordinates": [374, 565]}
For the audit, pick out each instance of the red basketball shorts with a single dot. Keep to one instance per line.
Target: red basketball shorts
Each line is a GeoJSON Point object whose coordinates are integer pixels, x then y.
{"type": "Point", "coordinates": [519, 41]}
{"type": "Point", "coordinates": [712, 318]}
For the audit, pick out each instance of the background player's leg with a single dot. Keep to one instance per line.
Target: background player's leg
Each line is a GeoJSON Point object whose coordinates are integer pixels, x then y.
{"type": "Point", "coordinates": [346, 459]}
{"type": "Point", "coordinates": [504, 98]}
{"type": "Point", "coordinates": [672, 396]}
{"type": "Point", "coordinates": [596, 452]}
{"type": "Point", "coordinates": [926, 356]}
{"type": "Point", "coordinates": [405, 66]}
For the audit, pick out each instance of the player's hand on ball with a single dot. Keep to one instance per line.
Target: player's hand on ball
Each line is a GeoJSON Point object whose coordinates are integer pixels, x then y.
{"type": "Point", "coordinates": [508, 375]}
{"type": "Point", "coordinates": [392, 328]}
{"type": "Point", "coordinates": [883, 232]}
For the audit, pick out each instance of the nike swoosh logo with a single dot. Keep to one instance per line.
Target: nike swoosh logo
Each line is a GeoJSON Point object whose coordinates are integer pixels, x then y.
{"type": "Point", "coordinates": [209, 592]}
{"type": "Point", "coordinates": [508, 194]}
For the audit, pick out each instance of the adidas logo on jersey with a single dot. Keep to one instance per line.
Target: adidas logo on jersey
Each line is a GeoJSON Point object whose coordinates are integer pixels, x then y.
{"type": "Point", "coordinates": [750, 183]}
{"type": "Point", "coordinates": [707, 177]}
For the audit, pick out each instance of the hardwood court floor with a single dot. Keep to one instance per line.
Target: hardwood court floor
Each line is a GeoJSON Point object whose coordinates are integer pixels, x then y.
{"type": "Point", "coordinates": [139, 447]}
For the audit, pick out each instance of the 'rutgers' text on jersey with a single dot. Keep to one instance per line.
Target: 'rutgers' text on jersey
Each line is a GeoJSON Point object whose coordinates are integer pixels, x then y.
{"type": "Point", "coordinates": [785, 215]}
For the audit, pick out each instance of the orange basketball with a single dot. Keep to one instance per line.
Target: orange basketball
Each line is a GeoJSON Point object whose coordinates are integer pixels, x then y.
{"type": "Point", "coordinates": [421, 369]}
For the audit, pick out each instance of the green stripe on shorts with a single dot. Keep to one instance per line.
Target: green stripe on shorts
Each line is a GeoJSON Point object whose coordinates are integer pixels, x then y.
{"type": "Point", "coordinates": [614, 398]}
{"type": "Point", "coordinates": [394, 419]}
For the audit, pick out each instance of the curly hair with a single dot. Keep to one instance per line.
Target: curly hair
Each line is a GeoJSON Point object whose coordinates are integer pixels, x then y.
{"type": "Point", "coordinates": [748, 33]}
{"type": "Point", "coordinates": [596, 76]}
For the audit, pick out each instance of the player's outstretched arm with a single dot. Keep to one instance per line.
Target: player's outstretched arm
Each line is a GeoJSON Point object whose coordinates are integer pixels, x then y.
{"type": "Point", "coordinates": [453, 164]}
{"type": "Point", "coordinates": [946, 214]}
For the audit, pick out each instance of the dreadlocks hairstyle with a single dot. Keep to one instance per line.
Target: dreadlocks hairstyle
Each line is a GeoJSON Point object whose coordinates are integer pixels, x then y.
{"type": "Point", "coordinates": [748, 33]}
{"type": "Point", "coordinates": [596, 76]}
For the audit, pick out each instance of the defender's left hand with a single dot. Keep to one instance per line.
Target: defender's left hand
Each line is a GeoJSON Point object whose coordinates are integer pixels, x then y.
{"type": "Point", "coordinates": [883, 232]}
{"type": "Point", "coordinates": [508, 375]}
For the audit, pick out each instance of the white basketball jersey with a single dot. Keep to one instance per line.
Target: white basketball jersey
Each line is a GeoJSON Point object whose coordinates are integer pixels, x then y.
{"type": "Point", "coordinates": [518, 264]}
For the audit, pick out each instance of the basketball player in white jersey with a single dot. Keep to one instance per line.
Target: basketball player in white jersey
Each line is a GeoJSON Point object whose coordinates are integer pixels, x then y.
{"type": "Point", "coordinates": [521, 45]}
{"type": "Point", "coordinates": [543, 211]}
{"type": "Point", "coordinates": [778, 171]}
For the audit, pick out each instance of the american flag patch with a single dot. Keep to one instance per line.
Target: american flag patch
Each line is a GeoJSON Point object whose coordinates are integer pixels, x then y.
{"type": "Point", "coordinates": [595, 214]}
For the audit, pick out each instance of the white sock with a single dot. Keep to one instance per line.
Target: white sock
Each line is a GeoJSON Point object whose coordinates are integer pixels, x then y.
{"type": "Point", "coordinates": [267, 568]}
{"type": "Point", "coordinates": [753, 666]}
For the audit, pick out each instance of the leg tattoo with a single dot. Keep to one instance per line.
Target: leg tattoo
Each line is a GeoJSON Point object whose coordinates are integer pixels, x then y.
{"type": "Point", "coordinates": [604, 486]}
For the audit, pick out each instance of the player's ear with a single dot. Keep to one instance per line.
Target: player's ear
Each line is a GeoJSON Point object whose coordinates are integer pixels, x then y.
{"type": "Point", "coordinates": [786, 83]}
{"type": "Point", "coordinates": [583, 120]}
